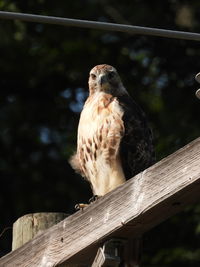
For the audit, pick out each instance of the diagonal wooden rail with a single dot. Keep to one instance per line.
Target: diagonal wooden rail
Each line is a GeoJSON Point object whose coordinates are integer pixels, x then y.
{"type": "Point", "coordinates": [128, 211]}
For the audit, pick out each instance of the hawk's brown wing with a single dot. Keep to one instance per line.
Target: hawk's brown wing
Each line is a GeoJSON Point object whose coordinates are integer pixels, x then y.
{"type": "Point", "coordinates": [136, 147]}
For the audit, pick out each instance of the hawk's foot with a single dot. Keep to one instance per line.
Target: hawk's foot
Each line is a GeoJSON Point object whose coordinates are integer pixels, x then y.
{"type": "Point", "coordinates": [93, 199]}
{"type": "Point", "coordinates": [80, 206]}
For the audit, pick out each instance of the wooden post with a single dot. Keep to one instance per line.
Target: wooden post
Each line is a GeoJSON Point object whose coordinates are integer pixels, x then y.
{"type": "Point", "coordinates": [28, 226]}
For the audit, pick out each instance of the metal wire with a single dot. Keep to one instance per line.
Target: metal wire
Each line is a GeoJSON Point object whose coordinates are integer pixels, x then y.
{"type": "Point", "coordinates": [101, 25]}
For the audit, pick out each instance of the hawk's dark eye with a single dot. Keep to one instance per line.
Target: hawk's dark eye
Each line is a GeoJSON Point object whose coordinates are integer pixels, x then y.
{"type": "Point", "coordinates": [111, 74]}
{"type": "Point", "coordinates": [93, 76]}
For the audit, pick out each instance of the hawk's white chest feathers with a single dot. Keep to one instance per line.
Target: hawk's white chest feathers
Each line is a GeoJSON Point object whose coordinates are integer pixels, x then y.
{"type": "Point", "coordinates": [99, 134]}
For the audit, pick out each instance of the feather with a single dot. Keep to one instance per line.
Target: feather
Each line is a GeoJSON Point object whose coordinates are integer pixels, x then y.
{"type": "Point", "coordinates": [136, 148]}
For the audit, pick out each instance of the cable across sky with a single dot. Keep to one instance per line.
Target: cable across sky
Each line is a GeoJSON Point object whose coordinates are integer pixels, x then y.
{"type": "Point", "coordinates": [100, 25]}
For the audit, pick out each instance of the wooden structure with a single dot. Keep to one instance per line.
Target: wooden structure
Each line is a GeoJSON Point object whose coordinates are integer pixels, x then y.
{"type": "Point", "coordinates": [30, 225]}
{"type": "Point", "coordinates": [128, 211]}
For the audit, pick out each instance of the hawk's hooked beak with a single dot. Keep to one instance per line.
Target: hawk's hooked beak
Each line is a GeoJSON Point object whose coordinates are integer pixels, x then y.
{"type": "Point", "coordinates": [103, 79]}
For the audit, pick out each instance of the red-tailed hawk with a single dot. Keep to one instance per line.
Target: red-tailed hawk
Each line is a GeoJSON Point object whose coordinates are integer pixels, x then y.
{"type": "Point", "coordinates": [114, 142]}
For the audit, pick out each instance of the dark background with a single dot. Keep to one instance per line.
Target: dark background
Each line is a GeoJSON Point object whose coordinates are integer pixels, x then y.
{"type": "Point", "coordinates": [43, 84]}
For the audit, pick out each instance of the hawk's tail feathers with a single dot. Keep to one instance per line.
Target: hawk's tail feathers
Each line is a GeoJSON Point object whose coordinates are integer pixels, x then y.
{"type": "Point", "coordinates": [74, 162]}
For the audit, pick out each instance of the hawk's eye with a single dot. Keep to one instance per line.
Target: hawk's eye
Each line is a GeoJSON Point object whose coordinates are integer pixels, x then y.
{"type": "Point", "coordinates": [111, 74]}
{"type": "Point", "coordinates": [93, 76]}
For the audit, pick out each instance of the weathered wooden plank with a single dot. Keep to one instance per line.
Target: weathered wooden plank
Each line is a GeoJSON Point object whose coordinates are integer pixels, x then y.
{"type": "Point", "coordinates": [30, 225]}
{"type": "Point", "coordinates": [131, 209]}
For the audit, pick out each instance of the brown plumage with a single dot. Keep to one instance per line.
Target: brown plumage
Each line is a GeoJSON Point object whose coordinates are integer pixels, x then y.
{"type": "Point", "coordinates": [114, 142]}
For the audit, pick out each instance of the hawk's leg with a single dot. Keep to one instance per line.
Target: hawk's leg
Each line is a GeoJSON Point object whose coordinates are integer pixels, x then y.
{"type": "Point", "coordinates": [80, 206]}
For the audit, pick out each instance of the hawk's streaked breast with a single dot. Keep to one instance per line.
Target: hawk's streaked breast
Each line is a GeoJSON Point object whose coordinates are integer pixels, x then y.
{"type": "Point", "coordinates": [99, 134]}
{"type": "Point", "coordinates": [114, 140]}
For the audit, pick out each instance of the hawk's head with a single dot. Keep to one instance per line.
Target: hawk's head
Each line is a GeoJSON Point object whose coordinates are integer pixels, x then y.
{"type": "Point", "coordinates": [104, 78]}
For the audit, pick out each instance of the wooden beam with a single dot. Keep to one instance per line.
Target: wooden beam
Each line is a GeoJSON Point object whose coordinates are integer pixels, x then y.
{"type": "Point", "coordinates": [32, 224]}
{"type": "Point", "coordinates": [128, 211]}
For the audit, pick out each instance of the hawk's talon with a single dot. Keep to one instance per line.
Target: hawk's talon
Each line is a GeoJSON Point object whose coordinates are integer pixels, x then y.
{"type": "Point", "coordinates": [80, 206]}
{"type": "Point", "coordinates": [93, 199]}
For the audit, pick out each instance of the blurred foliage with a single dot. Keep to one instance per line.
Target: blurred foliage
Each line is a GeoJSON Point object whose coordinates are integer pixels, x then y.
{"type": "Point", "coordinates": [43, 82]}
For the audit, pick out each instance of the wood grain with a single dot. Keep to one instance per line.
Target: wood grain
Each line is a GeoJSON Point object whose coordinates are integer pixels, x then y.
{"type": "Point", "coordinates": [128, 211]}
{"type": "Point", "coordinates": [30, 225]}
